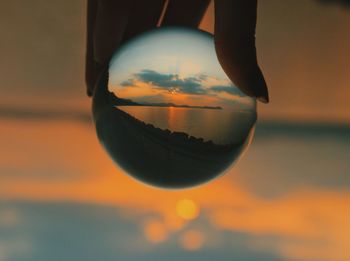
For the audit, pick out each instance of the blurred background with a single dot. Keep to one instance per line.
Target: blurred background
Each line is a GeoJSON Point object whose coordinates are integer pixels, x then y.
{"type": "Point", "coordinates": [61, 197]}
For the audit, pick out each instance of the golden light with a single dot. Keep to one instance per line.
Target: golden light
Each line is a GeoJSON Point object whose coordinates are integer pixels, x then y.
{"type": "Point", "coordinates": [155, 231]}
{"type": "Point", "coordinates": [187, 209]}
{"type": "Point", "coordinates": [192, 240]}
{"type": "Point", "coordinates": [173, 222]}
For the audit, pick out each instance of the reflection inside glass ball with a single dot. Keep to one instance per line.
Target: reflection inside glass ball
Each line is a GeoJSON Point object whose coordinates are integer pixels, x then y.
{"type": "Point", "coordinates": [166, 112]}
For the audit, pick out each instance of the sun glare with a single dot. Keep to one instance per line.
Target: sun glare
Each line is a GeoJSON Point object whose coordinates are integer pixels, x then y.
{"type": "Point", "coordinates": [192, 240]}
{"type": "Point", "coordinates": [155, 231]}
{"type": "Point", "coordinates": [187, 209]}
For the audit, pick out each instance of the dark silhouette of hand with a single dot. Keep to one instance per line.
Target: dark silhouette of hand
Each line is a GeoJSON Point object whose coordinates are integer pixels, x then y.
{"type": "Point", "coordinates": [112, 22]}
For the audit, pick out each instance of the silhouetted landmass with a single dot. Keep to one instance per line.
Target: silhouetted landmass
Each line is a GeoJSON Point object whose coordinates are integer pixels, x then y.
{"type": "Point", "coordinates": [127, 102]}
{"type": "Point", "coordinates": [180, 140]}
{"type": "Point", "coordinates": [116, 101]}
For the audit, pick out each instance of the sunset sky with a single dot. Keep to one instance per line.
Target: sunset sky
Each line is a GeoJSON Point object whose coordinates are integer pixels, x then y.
{"type": "Point", "coordinates": [61, 197]}
{"type": "Point", "coordinates": [173, 66]}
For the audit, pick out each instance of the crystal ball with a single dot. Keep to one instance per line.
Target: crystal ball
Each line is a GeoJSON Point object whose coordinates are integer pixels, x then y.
{"type": "Point", "coordinates": [166, 112]}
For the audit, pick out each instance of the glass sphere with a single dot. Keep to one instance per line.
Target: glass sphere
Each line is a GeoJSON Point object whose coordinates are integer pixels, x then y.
{"type": "Point", "coordinates": [166, 112]}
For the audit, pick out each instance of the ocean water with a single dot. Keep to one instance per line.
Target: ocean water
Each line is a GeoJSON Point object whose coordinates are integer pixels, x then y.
{"type": "Point", "coordinates": [220, 126]}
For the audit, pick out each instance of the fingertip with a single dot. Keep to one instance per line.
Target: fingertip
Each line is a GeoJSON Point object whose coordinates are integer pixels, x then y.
{"type": "Point", "coordinates": [259, 87]}
{"type": "Point", "coordinates": [263, 99]}
{"type": "Point", "coordinates": [89, 93]}
{"type": "Point", "coordinates": [235, 22]}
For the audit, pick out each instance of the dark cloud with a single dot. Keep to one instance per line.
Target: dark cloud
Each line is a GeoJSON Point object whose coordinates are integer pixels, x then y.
{"type": "Point", "coordinates": [226, 88]}
{"type": "Point", "coordinates": [158, 79]}
{"type": "Point", "coordinates": [203, 77]}
{"type": "Point", "coordinates": [190, 85]}
{"type": "Point", "coordinates": [172, 82]}
{"type": "Point", "coordinates": [128, 82]}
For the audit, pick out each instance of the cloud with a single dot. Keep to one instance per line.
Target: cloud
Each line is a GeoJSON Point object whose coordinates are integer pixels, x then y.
{"type": "Point", "coordinates": [170, 82]}
{"type": "Point", "coordinates": [199, 84]}
{"type": "Point", "coordinates": [203, 77]}
{"type": "Point", "coordinates": [228, 89]}
{"type": "Point", "coordinates": [127, 83]}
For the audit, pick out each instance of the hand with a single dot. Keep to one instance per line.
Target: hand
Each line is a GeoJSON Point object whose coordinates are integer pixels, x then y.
{"type": "Point", "coordinates": [112, 22]}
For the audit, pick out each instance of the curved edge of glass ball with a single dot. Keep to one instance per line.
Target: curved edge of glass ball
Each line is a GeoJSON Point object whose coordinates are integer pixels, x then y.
{"type": "Point", "coordinates": [147, 158]}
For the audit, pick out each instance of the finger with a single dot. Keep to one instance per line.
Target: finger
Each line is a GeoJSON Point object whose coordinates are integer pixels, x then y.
{"type": "Point", "coordinates": [117, 21]}
{"type": "Point", "coordinates": [144, 16]}
{"type": "Point", "coordinates": [101, 94]}
{"type": "Point", "coordinates": [106, 22]}
{"type": "Point", "coordinates": [90, 77]}
{"type": "Point", "coordinates": [185, 12]}
{"type": "Point", "coordinates": [111, 21]}
{"type": "Point", "coordinates": [235, 22]}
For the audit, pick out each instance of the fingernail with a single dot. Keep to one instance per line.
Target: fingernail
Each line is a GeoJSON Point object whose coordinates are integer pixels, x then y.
{"type": "Point", "coordinates": [263, 99]}
{"type": "Point", "coordinates": [260, 87]}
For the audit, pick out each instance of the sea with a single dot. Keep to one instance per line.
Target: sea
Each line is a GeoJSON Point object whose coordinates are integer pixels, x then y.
{"type": "Point", "coordinates": [223, 126]}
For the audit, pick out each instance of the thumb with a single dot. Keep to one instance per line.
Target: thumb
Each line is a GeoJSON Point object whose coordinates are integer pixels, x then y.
{"type": "Point", "coordinates": [235, 22]}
